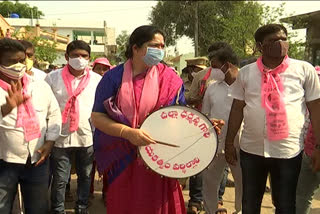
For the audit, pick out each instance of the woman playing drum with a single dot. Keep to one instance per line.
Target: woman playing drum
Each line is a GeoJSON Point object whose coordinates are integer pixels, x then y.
{"type": "Point", "coordinates": [124, 98]}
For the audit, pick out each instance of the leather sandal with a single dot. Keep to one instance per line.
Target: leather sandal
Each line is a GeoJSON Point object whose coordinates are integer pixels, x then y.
{"type": "Point", "coordinates": [194, 207]}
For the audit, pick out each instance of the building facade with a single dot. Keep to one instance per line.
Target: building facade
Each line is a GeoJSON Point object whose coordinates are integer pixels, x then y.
{"type": "Point", "coordinates": [95, 33]}
{"type": "Point", "coordinates": [310, 22]}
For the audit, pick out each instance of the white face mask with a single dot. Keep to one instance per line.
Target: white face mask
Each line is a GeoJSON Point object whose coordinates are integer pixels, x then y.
{"type": "Point", "coordinates": [15, 71]}
{"type": "Point", "coordinates": [78, 63]}
{"type": "Point", "coordinates": [218, 75]}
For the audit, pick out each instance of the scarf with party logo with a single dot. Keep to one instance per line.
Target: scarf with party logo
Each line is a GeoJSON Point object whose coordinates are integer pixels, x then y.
{"type": "Point", "coordinates": [272, 100]}
{"type": "Point", "coordinates": [26, 115]}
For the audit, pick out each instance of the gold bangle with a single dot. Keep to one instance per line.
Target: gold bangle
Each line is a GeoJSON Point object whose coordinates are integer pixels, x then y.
{"type": "Point", "coordinates": [122, 129]}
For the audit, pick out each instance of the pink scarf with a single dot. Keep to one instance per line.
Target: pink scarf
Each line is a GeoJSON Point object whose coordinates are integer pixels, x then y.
{"type": "Point", "coordinates": [71, 109]}
{"type": "Point", "coordinates": [204, 82]}
{"type": "Point", "coordinates": [26, 116]}
{"type": "Point", "coordinates": [149, 96]}
{"type": "Point", "coordinates": [272, 100]}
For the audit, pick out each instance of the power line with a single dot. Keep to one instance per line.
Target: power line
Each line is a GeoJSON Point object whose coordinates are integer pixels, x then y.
{"type": "Point", "coordinates": [104, 11]}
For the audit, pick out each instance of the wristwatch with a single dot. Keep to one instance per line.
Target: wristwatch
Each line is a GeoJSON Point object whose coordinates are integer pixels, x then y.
{"type": "Point", "coordinates": [317, 146]}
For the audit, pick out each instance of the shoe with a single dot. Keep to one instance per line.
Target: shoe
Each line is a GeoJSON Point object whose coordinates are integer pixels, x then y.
{"type": "Point", "coordinates": [81, 211]}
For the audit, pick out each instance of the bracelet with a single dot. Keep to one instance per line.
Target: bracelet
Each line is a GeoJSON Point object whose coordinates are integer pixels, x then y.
{"type": "Point", "coordinates": [122, 129]}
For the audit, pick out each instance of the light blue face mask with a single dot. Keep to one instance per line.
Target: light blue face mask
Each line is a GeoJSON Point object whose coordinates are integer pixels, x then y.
{"type": "Point", "coordinates": [153, 56]}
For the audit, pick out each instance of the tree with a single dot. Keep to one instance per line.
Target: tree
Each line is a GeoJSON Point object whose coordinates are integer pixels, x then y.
{"type": "Point", "coordinates": [234, 22]}
{"type": "Point", "coordinates": [24, 10]}
{"type": "Point", "coordinates": [240, 26]}
{"type": "Point", "coordinates": [45, 50]}
{"type": "Point", "coordinates": [122, 41]}
{"type": "Point", "coordinates": [216, 21]}
{"type": "Point", "coordinates": [273, 15]}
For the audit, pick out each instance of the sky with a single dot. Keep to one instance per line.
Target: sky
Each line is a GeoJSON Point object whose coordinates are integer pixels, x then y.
{"type": "Point", "coordinates": [127, 15]}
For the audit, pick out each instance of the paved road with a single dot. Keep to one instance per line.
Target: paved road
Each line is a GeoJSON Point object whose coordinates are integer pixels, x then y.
{"type": "Point", "coordinates": [97, 205]}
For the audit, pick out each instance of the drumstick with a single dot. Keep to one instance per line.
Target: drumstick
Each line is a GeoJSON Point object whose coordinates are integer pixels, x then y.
{"type": "Point", "coordinates": [167, 144]}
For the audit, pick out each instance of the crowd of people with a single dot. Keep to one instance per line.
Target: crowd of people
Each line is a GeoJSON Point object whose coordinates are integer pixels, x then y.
{"type": "Point", "coordinates": [266, 116]}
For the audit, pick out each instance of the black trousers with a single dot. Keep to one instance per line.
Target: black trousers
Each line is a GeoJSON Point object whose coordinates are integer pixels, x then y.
{"type": "Point", "coordinates": [284, 176]}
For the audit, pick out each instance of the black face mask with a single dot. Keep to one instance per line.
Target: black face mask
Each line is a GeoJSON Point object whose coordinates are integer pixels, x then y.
{"type": "Point", "coordinates": [276, 49]}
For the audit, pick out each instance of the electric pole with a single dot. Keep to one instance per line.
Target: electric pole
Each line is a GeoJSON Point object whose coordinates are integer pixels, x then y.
{"type": "Point", "coordinates": [31, 17]}
{"type": "Point", "coordinates": [196, 30]}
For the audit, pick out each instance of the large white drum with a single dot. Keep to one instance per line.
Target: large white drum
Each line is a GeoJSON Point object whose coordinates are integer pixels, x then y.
{"type": "Point", "coordinates": [191, 137]}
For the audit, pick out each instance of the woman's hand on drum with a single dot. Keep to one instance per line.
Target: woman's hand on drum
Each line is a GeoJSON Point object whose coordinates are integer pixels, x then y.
{"type": "Point", "coordinates": [137, 137]}
{"type": "Point", "coordinates": [218, 124]}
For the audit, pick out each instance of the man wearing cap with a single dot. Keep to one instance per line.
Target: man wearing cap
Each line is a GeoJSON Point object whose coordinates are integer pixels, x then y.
{"type": "Point", "coordinates": [194, 66]}
{"type": "Point", "coordinates": [101, 66]}
{"type": "Point", "coordinates": [202, 79]}
{"type": "Point", "coordinates": [188, 74]}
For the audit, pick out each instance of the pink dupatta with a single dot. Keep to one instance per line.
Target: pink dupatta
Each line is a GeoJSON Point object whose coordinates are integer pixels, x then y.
{"type": "Point", "coordinates": [136, 189]}
{"type": "Point", "coordinates": [26, 116]}
{"type": "Point", "coordinates": [71, 109]}
{"type": "Point", "coordinates": [126, 98]}
{"type": "Point", "coordinates": [272, 100]}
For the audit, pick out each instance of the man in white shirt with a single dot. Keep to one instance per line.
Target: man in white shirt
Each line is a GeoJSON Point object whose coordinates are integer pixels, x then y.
{"type": "Point", "coordinates": [194, 97]}
{"type": "Point", "coordinates": [36, 74]}
{"type": "Point", "coordinates": [272, 96]}
{"type": "Point", "coordinates": [30, 122]}
{"type": "Point", "coordinates": [74, 88]}
{"type": "Point", "coordinates": [217, 104]}
{"type": "Point", "coordinates": [30, 57]}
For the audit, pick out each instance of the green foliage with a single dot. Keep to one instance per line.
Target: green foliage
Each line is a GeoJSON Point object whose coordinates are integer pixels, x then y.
{"type": "Point", "coordinates": [240, 26]}
{"type": "Point", "coordinates": [177, 18]}
{"type": "Point", "coordinates": [45, 50]}
{"type": "Point", "coordinates": [121, 42]}
{"type": "Point", "coordinates": [23, 9]}
{"type": "Point", "coordinates": [273, 15]}
{"type": "Point", "coordinates": [234, 22]}
{"type": "Point", "coordinates": [94, 56]}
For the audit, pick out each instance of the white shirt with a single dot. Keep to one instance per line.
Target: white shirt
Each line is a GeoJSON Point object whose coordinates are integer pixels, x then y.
{"type": "Point", "coordinates": [301, 85]}
{"type": "Point", "coordinates": [38, 74]}
{"type": "Point", "coordinates": [83, 136]}
{"type": "Point", "coordinates": [217, 104]}
{"type": "Point", "coordinates": [13, 147]}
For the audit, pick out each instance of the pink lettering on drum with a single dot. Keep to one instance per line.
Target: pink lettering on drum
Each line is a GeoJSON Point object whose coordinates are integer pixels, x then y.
{"type": "Point", "coordinates": [189, 117]}
{"type": "Point", "coordinates": [173, 114]}
{"type": "Point", "coordinates": [184, 167]}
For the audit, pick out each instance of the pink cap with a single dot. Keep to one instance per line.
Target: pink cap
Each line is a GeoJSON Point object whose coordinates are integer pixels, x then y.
{"type": "Point", "coordinates": [103, 61]}
{"type": "Point", "coordinates": [317, 69]}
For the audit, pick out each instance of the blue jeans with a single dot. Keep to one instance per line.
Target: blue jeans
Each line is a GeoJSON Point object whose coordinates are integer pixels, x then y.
{"type": "Point", "coordinates": [61, 165]}
{"type": "Point", "coordinates": [34, 186]}
{"type": "Point", "coordinates": [223, 183]}
{"type": "Point", "coordinates": [308, 185]}
{"type": "Point", "coordinates": [195, 187]}
{"type": "Point", "coordinates": [284, 175]}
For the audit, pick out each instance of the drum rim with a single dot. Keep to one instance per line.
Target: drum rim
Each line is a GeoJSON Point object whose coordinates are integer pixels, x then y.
{"type": "Point", "coordinates": [205, 168]}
